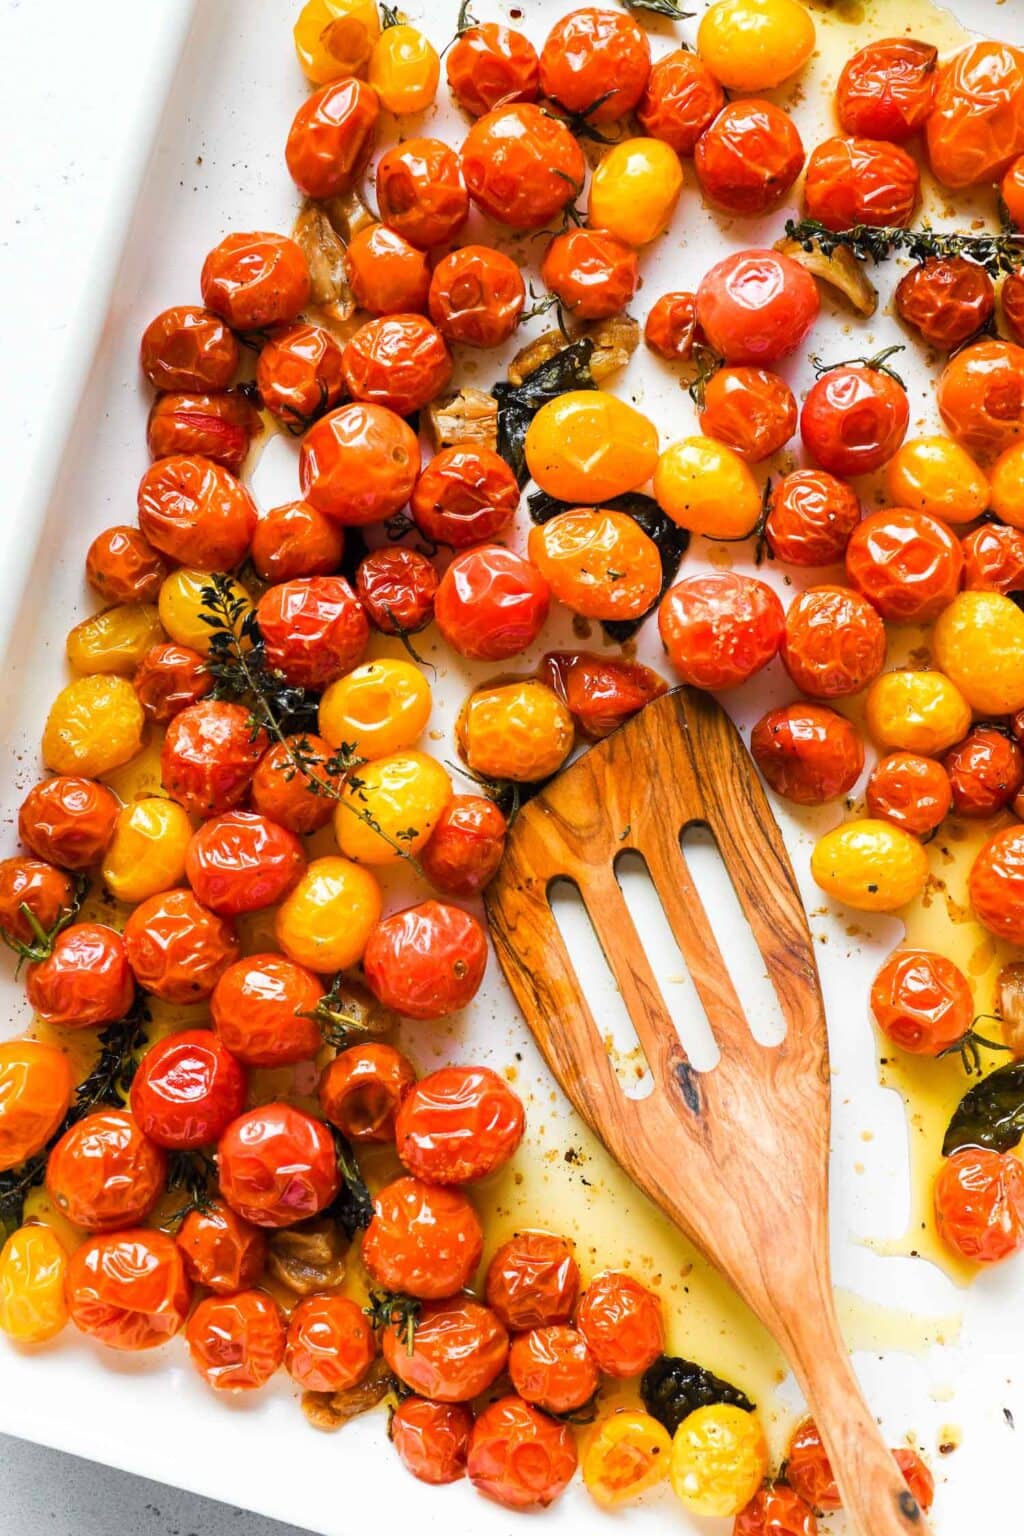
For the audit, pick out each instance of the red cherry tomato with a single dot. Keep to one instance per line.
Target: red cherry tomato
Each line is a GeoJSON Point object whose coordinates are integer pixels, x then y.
{"type": "Point", "coordinates": [362, 1088]}
{"type": "Point", "coordinates": [458, 1124]}
{"type": "Point", "coordinates": [720, 629]}
{"type": "Point", "coordinates": [277, 1166]}
{"type": "Point", "coordinates": [397, 588]}
{"type": "Point", "coordinates": [30, 886]}
{"type": "Point", "coordinates": [128, 1290]}
{"type": "Point", "coordinates": [600, 692]}
{"type": "Point", "coordinates": [299, 374]}
{"type": "Point", "coordinates": [68, 821]}
{"type": "Point", "coordinates": [916, 1475]}
{"type": "Point", "coordinates": [996, 885]}
{"type": "Point", "coordinates": [188, 349]}
{"type": "Point", "coordinates": [885, 90]}
{"type": "Point", "coordinates": [424, 1240]}
{"type": "Point", "coordinates": [776, 1510]}
{"type": "Point", "coordinates": [386, 272]}
{"type": "Point", "coordinates": [196, 512]}
{"type": "Point", "coordinates": [809, 1471]}
{"type": "Point", "coordinates": [554, 1368]}
{"type": "Point", "coordinates": [976, 126]}
{"type": "Point", "coordinates": [420, 191]}
{"type": "Point", "coordinates": [980, 395]}
{"type": "Point", "coordinates": [465, 495]}
{"type": "Point", "coordinates": [284, 793]}
{"type": "Point", "coordinates": [808, 753]}
{"type": "Point", "coordinates": [255, 280]}
{"type": "Point", "coordinates": [221, 1251]}
{"type": "Point", "coordinates": [595, 64]}
{"type": "Point", "coordinates": [489, 64]}
{"type": "Point", "coordinates": [85, 982]}
{"type": "Point", "coordinates": [756, 306]}
{"type": "Point", "coordinates": [491, 603]}
{"type": "Point", "coordinates": [170, 677]}
{"type": "Point", "coordinates": [751, 410]}
{"type": "Point", "coordinates": [219, 427]}
{"type": "Point", "coordinates": [466, 846]}
{"type": "Point", "coordinates": [682, 99]}
{"type": "Point", "coordinates": [522, 166]}
{"type": "Point", "coordinates": [979, 1205]}
{"type": "Point", "coordinates": [621, 1320]}
{"type": "Point", "coordinates": [671, 326]}
{"type": "Point", "coordinates": [1012, 298]}
{"type": "Point", "coordinates": [105, 1173]}
{"type": "Point", "coordinates": [458, 1349]}
{"type": "Point", "coordinates": [432, 1438]}
{"type": "Point", "coordinates": [834, 642]}
{"type": "Point", "coordinates": [314, 629]}
{"type": "Point", "coordinates": [242, 862]}
{"type": "Point", "coordinates": [399, 361]}
{"type": "Point", "coordinates": [260, 1009]}
{"type": "Point", "coordinates": [986, 771]}
{"type": "Point", "coordinates": [209, 756]}
{"type": "Point", "coordinates": [331, 137]}
{"type": "Point", "coordinates": [749, 157]}
{"type": "Point", "coordinates": [296, 540]}
{"type": "Point", "coordinates": [426, 961]}
{"type": "Point", "coordinates": [947, 299]}
{"type": "Point", "coordinates": [593, 274]}
{"type": "Point", "coordinates": [236, 1343]}
{"type": "Point", "coordinates": [993, 559]}
{"type": "Point", "coordinates": [910, 791]}
{"type": "Point", "coordinates": [177, 948]}
{"type": "Point", "coordinates": [854, 419]}
{"type": "Point", "coordinates": [359, 464]}
{"type": "Point", "coordinates": [907, 564]}
{"type": "Point", "coordinates": [861, 181]}
{"type": "Point", "coordinates": [533, 1281]}
{"type": "Point", "coordinates": [187, 1090]}
{"type": "Point", "coordinates": [330, 1345]}
{"type": "Point", "coordinates": [811, 516]}
{"type": "Point", "coordinates": [123, 567]}
{"type": "Point", "coordinates": [476, 296]}
{"type": "Point", "coordinates": [519, 1457]}
{"type": "Point", "coordinates": [922, 1002]}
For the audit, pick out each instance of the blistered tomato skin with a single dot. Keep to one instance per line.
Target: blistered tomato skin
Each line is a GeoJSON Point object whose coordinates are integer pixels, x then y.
{"type": "Point", "coordinates": [871, 865]}
{"type": "Point", "coordinates": [947, 299]}
{"type": "Point", "coordinates": [330, 1345]}
{"type": "Point", "coordinates": [397, 361]}
{"type": "Point", "coordinates": [242, 862]}
{"type": "Point", "coordinates": [706, 487]}
{"type": "Point", "coordinates": [554, 1369]}
{"type": "Point", "coordinates": [719, 1460]}
{"type": "Point", "coordinates": [808, 753]}
{"type": "Point", "coordinates": [756, 306]}
{"type": "Point", "coordinates": [397, 588]}
{"type": "Point", "coordinates": [854, 419]}
{"type": "Point", "coordinates": [907, 564]}
{"type": "Point", "coordinates": [935, 475]}
{"type": "Point", "coordinates": [682, 98]}
{"type": "Point", "coordinates": [809, 1471]}
{"type": "Point", "coordinates": [911, 791]}
{"type": "Point", "coordinates": [595, 62]}
{"type": "Point", "coordinates": [622, 1323]}
{"type": "Point", "coordinates": [183, 607]}
{"type": "Point", "coordinates": [299, 374]}
{"type": "Point", "coordinates": [996, 885]}
{"type": "Point", "coordinates": [255, 280]}
{"type": "Point", "coordinates": [195, 512]}
{"type": "Point", "coordinates": [489, 64]}
{"type": "Point", "coordinates": [423, 1240]}
{"type": "Point", "coordinates": [168, 679]}
{"type": "Point", "coordinates": [334, 38]}
{"type": "Point", "coordinates": [628, 1455]}
{"type": "Point", "coordinates": [296, 540]}
{"type": "Point", "coordinates": [519, 731]}
{"type": "Point", "coordinates": [432, 1439]}
{"type": "Point", "coordinates": [861, 181]}
{"type": "Point", "coordinates": [917, 712]}
{"type": "Point", "coordinates": [220, 427]}
{"type": "Point", "coordinates": [177, 948]}
{"type": "Point", "coordinates": [123, 567]}
{"type": "Point", "coordinates": [386, 273]}
{"type": "Point", "coordinates": [362, 1090]}
{"type": "Point", "coordinates": [128, 1289]}
{"type": "Point", "coordinates": [491, 603]}
{"type": "Point", "coordinates": [979, 1205]}
{"type": "Point", "coordinates": [209, 756]}
{"type": "Point", "coordinates": [776, 1510]}
{"type": "Point", "coordinates": [976, 126]}
{"type": "Point", "coordinates": [465, 495]}
{"type": "Point", "coordinates": [420, 191]}
{"type": "Point", "coordinates": [35, 1092]}
{"type": "Point", "coordinates": [458, 1349]}
{"type": "Point", "coordinates": [532, 1281]}
{"type": "Point", "coordinates": [634, 190]}
{"type": "Point", "coordinates": [188, 349]}
{"type": "Point", "coordinates": [720, 629]}
{"type": "Point", "coordinates": [105, 1173]}
{"type": "Point", "coordinates": [390, 807]}
{"type": "Point", "coordinates": [115, 640]}
{"type": "Point", "coordinates": [458, 1124]}
{"type": "Point", "coordinates": [749, 157]}
{"type": "Point", "coordinates": [326, 920]}
{"type": "Point", "coordinates": [922, 1002]}
{"type": "Point", "coordinates": [753, 45]}
{"type": "Point", "coordinates": [476, 296]}
{"type": "Point", "coordinates": [986, 771]}
{"type": "Point", "coordinates": [979, 644]}
{"type": "Point", "coordinates": [260, 1009]}
{"type": "Point", "coordinates": [588, 446]}
{"type": "Point", "coordinates": [980, 395]}
{"type": "Point", "coordinates": [285, 794]}
{"type": "Point", "coordinates": [426, 961]}
{"type": "Point", "coordinates": [522, 166]}
{"type": "Point", "coordinates": [593, 274]}
{"type": "Point", "coordinates": [466, 846]}
{"type": "Point", "coordinates": [811, 516]}
{"type": "Point", "coordinates": [598, 562]}
{"type": "Point", "coordinates": [885, 90]}
{"type": "Point", "coordinates": [404, 69]}
{"type": "Point", "coordinates": [147, 851]}
{"type": "Point", "coordinates": [359, 464]}
{"type": "Point", "coordinates": [834, 642]}
{"type": "Point", "coordinates": [331, 137]}
{"type": "Point", "coordinates": [187, 1090]}
{"type": "Point", "coordinates": [85, 982]}
{"type": "Point", "coordinates": [671, 325]}
{"type": "Point", "coordinates": [993, 559]}
{"type": "Point", "coordinates": [600, 692]}
{"type": "Point", "coordinates": [236, 1343]}
{"type": "Point", "coordinates": [277, 1166]}
{"type": "Point", "coordinates": [1006, 486]}
{"type": "Point", "coordinates": [519, 1457]}
{"type": "Point", "coordinates": [220, 1250]}
{"type": "Point", "coordinates": [48, 894]}
{"type": "Point", "coordinates": [750, 410]}
{"type": "Point", "coordinates": [95, 724]}
{"type": "Point", "coordinates": [380, 708]}
{"type": "Point", "coordinates": [314, 629]}
{"type": "Point", "coordinates": [68, 821]}
{"type": "Point", "coordinates": [33, 1266]}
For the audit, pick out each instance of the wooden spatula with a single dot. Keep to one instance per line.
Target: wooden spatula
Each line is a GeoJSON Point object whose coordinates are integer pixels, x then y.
{"type": "Point", "coordinates": [737, 1156]}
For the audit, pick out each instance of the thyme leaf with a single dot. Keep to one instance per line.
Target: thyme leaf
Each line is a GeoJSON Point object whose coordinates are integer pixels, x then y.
{"type": "Point", "coordinates": [193, 1174]}
{"type": "Point", "coordinates": [996, 252]}
{"type": "Point", "coordinates": [392, 1309]}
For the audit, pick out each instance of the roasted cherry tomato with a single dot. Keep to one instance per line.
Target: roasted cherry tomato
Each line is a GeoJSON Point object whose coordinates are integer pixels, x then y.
{"type": "Point", "coordinates": [68, 821]}
{"type": "Point", "coordinates": [491, 603]}
{"type": "Point", "coordinates": [123, 567]}
{"type": "Point", "coordinates": [834, 642]}
{"type": "Point", "coordinates": [298, 375]}
{"type": "Point", "coordinates": [210, 755]}
{"type": "Point", "coordinates": [147, 851]}
{"type": "Point", "coordinates": [466, 846]}
{"type": "Point", "coordinates": [750, 410]}
{"type": "Point", "coordinates": [86, 980]}
{"type": "Point", "coordinates": [1011, 297]}
{"type": "Point", "coordinates": [811, 516]}
{"type": "Point", "coordinates": [391, 806]}
{"type": "Point", "coordinates": [169, 678]}
{"type": "Point", "coordinates": [980, 395]}
{"type": "Point", "coordinates": [334, 38]}
{"type": "Point", "coordinates": [94, 725]}
{"type": "Point", "coordinates": [187, 1090]}
{"type": "Point", "coordinates": [458, 1349]}
{"type": "Point", "coordinates": [380, 709]}
{"type": "Point", "coordinates": [749, 157]}
{"type": "Point", "coordinates": [35, 1094]}
{"type": "Point", "coordinates": [719, 1460]}
{"type": "Point", "coordinates": [261, 1009]}
{"type": "Point", "coordinates": [488, 65]}
{"type": "Point", "coordinates": [33, 896]}
{"type": "Point", "coordinates": [236, 1343]}
{"type": "Point", "coordinates": [598, 562]}
{"type": "Point", "coordinates": [993, 559]}
{"type": "Point", "coordinates": [916, 1476]}
{"type": "Point", "coordinates": [922, 1002]}
{"type": "Point", "coordinates": [720, 629]}
{"type": "Point", "coordinates": [885, 90]}
{"type": "Point", "coordinates": [588, 446]}
{"type": "Point", "coordinates": [221, 1251]}
{"type": "Point", "coordinates": [362, 1089]}
{"type": "Point", "coordinates": [871, 865]}
{"type": "Point", "coordinates": [465, 495]}
{"type": "Point", "coordinates": [241, 862]}
{"type": "Point", "coordinates": [188, 349]}
{"type": "Point", "coordinates": [628, 1455]}
{"type": "Point", "coordinates": [756, 306]}
{"type": "Point", "coordinates": [1006, 485]}
{"type": "Point", "coordinates": [432, 1438]}
{"type": "Point", "coordinates": [854, 418]}
{"type": "Point", "coordinates": [396, 587]}
{"type": "Point", "coordinates": [458, 1124]}
{"type": "Point", "coordinates": [593, 274]}
{"type": "Point", "coordinates": [423, 1240]}
{"type": "Point", "coordinates": [277, 1165]}
{"type": "Point", "coordinates": [520, 731]}
{"type": "Point", "coordinates": [776, 1510]}
{"type": "Point", "coordinates": [936, 475]}
{"type": "Point", "coordinates": [554, 1368]}
{"type": "Point", "coordinates": [600, 692]}
{"type": "Point", "coordinates": [404, 68]}
{"type": "Point", "coordinates": [861, 181]}
{"type": "Point", "coordinates": [979, 1205]}
{"type": "Point", "coordinates": [809, 1471]}
{"type": "Point", "coordinates": [634, 190]}
{"type": "Point", "coordinates": [976, 125]}
{"type": "Point", "coordinates": [533, 1281]}
{"type": "Point", "coordinates": [753, 45]}
{"type": "Point", "coordinates": [313, 629]}
{"type": "Point", "coordinates": [1011, 192]}
{"type": "Point", "coordinates": [33, 1277]}
{"type": "Point", "coordinates": [808, 753]}
{"type": "Point", "coordinates": [296, 540]}
{"type": "Point", "coordinates": [907, 564]}
{"type": "Point", "coordinates": [521, 165]}
{"type": "Point", "coordinates": [420, 191]}
{"type": "Point", "coordinates": [114, 641]}
{"type": "Point", "coordinates": [398, 361]}
{"type": "Point", "coordinates": [176, 948]}
{"type": "Point", "coordinates": [476, 296]}
{"type": "Point", "coordinates": [129, 1290]}
{"type": "Point", "coordinates": [681, 99]}
{"type": "Point", "coordinates": [255, 280]}
{"type": "Point", "coordinates": [916, 711]}
{"type": "Point", "coordinates": [359, 464]}
{"type": "Point", "coordinates": [330, 139]}
{"type": "Point", "coordinates": [426, 961]}
{"type": "Point", "coordinates": [986, 770]}
{"type": "Point", "coordinates": [184, 607]}
{"type": "Point", "coordinates": [671, 326]}
{"type": "Point", "coordinates": [326, 921]}
{"type": "Point", "coordinates": [947, 299]}
{"type": "Point", "coordinates": [911, 791]}
{"type": "Point", "coordinates": [978, 643]}
{"type": "Point", "coordinates": [196, 512]}
{"type": "Point", "coordinates": [219, 427]}
{"type": "Point", "coordinates": [105, 1173]}
{"type": "Point", "coordinates": [594, 64]}
{"type": "Point", "coordinates": [621, 1320]}
{"type": "Point", "coordinates": [330, 1345]}
{"type": "Point", "coordinates": [519, 1457]}
{"type": "Point", "coordinates": [387, 274]}
{"type": "Point", "coordinates": [287, 794]}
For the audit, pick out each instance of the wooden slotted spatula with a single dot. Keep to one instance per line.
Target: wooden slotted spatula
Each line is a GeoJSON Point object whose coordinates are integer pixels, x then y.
{"type": "Point", "coordinates": [737, 1156]}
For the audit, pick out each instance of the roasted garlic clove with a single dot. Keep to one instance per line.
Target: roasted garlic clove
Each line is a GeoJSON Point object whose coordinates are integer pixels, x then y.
{"type": "Point", "coordinates": [308, 1258]}
{"type": "Point", "coordinates": [471, 416]}
{"type": "Point", "coordinates": [841, 271]}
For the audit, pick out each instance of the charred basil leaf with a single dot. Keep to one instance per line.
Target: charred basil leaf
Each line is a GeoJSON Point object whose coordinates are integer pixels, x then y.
{"type": "Point", "coordinates": [518, 404]}
{"type": "Point", "coordinates": [673, 1388]}
{"type": "Point", "coordinates": [660, 8]}
{"type": "Point", "coordinates": [352, 1206]}
{"type": "Point", "coordinates": [991, 1114]}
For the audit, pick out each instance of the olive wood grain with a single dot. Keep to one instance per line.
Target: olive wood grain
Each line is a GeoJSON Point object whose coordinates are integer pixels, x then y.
{"type": "Point", "coordinates": [737, 1156]}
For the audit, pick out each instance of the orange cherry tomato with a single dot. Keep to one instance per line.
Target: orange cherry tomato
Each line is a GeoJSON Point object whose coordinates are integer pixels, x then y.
{"type": "Point", "coordinates": [911, 791]}
{"type": "Point", "coordinates": [749, 157]}
{"type": "Point", "coordinates": [979, 1205]}
{"type": "Point", "coordinates": [330, 1345]}
{"type": "Point", "coordinates": [861, 181]}
{"type": "Point", "coordinates": [241, 862]}
{"type": "Point", "coordinates": [598, 562]}
{"type": "Point", "coordinates": [458, 1349]}
{"type": "Point", "coordinates": [195, 512]}
{"type": "Point", "coordinates": [209, 756]}
{"type": "Point", "coordinates": [426, 961]}
{"type": "Point", "coordinates": [720, 629]}
{"type": "Point", "coordinates": [600, 692]}
{"type": "Point", "coordinates": [362, 1089]}
{"type": "Point", "coordinates": [751, 410]}
{"type": "Point", "coordinates": [105, 1173]}
{"type": "Point", "coordinates": [681, 100]}
{"type": "Point", "coordinates": [236, 1343]}
{"type": "Point", "coordinates": [947, 299]}
{"type": "Point", "coordinates": [387, 274]}
{"type": "Point", "coordinates": [458, 1124]}
{"type": "Point", "coordinates": [488, 64]}
{"type": "Point", "coordinates": [187, 1090]}
{"type": "Point", "coordinates": [260, 1009]}
{"type": "Point", "coordinates": [519, 1457]}
{"type": "Point", "coordinates": [922, 1002]}
{"type": "Point", "coordinates": [221, 1251]}
{"type": "Point", "coordinates": [359, 464]}
{"type": "Point", "coordinates": [809, 1471]}
{"type": "Point", "coordinates": [177, 948]}
{"type": "Point", "coordinates": [314, 629]}
{"type": "Point", "coordinates": [622, 1322]}
{"type": "Point", "coordinates": [424, 1240]}
{"type": "Point", "coordinates": [277, 1165]}
{"type": "Point", "coordinates": [907, 564]}
{"type": "Point", "coordinates": [756, 306]}
{"type": "Point", "coordinates": [476, 296]}
{"type": "Point", "coordinates": [854, 418]}
{"type": "Point", "coordinates": [592, 273]}
{"type": "Point", "coordinates": [255, 280]}
{"type": "Point", "coordinates": [169, 678]}
{"type": "Point", "coordinates": [30, 886]}
{"type": "Point", "coordinates": [399, 361]}
{"type": "Point", "coordinates": [594, 64]}
{"type": "Point", "coordinates": [885, 90]}
{"type": "Point", "coordinates": [123, 567]}
{"type": "Point", "coordinates": [188, 349]}
{"type": "Point", "coordinates": [68, 821]}
{"type": "Point", "coordinates": [466, 846]}
{"type": "Point", "coordinates": [980, 395]}
{"type": "Point", "coordinates": [218, 427]}
{"type": "Point", "coordinates": [298, 374]}
{"type": "Point", "coordinates": [776, 1510]}
{"type": "Point", "coordinates": [811, 516]}
{"type": "Point", "coordinates": [432, 1438]}
{"type": "Point", "coordinates": [807, 752]}
{"type": "Point", "coordinates": [996, 885]}
{"type": "Point", "coordinates": [834, 642]}
{"type": "Point", "coordinates": [129, 1290]}
{"type": "Point", "coordinates": [993, 559]}
{"type": "Point", "coordinates": [420, 191]}
{"type": "Point", "coordinates": [491, 603]}
{"type": "Point", "coordinates": [1011, 192]}
{"type": "Point", "coordinates": [465, 495]}
{"type": "Point", "coordinates": [532, 1281]}
{"type": "Point", "coordinates": [671, 326]}
{"type": "Point", "coordinates": [86, 981]}
{"type": "Point", "coordinates": [296, 540]}
{"type": "Point", "coordinates": [553, 1368]}
{"type": "Point", "coordinates": [976, 126]}
{"type": "Point", "coordinates": [916, 1476]}
{"type": "Point", "coordinates": [986, 771]}
{"type": "Point", "coordinates": [331, 137]}
{"type": "Point", "coordinates": [35, 1094]}
{"type": "Point", "coordinates": [522, 166]}
{"type": "Point", "coordinates": [284, 793]}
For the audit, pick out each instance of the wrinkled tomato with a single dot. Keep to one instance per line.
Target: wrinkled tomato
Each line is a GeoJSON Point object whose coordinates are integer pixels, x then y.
{"type": "Point", "coordinates": [32, 893]}
{"type": "Point", "coordinates": [809, 1471]}
{"type": "Point", "coordinates": [922, 1002]}
{"type": "Point", "coordinates": [622, 1322]}
{"type": "Point", "coordinates": [296, 540]}
{"type": "Point", "coordinates": [261, 1009]}
{"type": "Point", "coordinates": [682, 99]}
{"type": "Point", "coordinates": [553, 1368]}
{"type": "Point", "coordinates": [811, 516]}
{"type": "Point", "coordinates": [751, 410]}
{"type": "Point", "coordinates": [387, 274]}
{"type": "Point", "coordinates": [476, 296]}
{"type": "Point", "coordinates": [330, 1345]}
{"type": "Point", "coordinates": [123, 567]}
{"type": "Point", "coordinates": [221, 1251]}
{"type": "Point", "coordinates": [885, 90]}
{"type": "Point", "coordinates": [424, 1240]}
{"type": "Point", "coordinates": [255, 280]}
{"type": "Point", "coordinates": [993, 559]}
{"type": "Point", "coordinates": [397, 588]}
{"type": "Point", "coordinates": [979, 1205]}
{"type": "Point", "coordinates": [980, 395]}
{"type": "Point", "coordinates": [807, 752]}
{"type": "Point", "coordinates": [600, 692]}
{"type": "Point", "coordinates": [287, 794]}
{"type": "Point", "coordinates": [458, 1349]}
{"type": "Point", "coordinates": [241, 862]}
{"type": "Point", "coordinates": [834, 642]}
{"type": "Point", "coordinates": [996, 885]}
{"type": "Point", "coordinates": [532, 1281]}
{"type": "Point", "coordinates": [720, 629]}
{"type": "Point", "coordinates": [432, 1438]}
{"type": "Point", "coordinates": [217, 426]}
{"type": "Point", "coordinates": [593, 274]}
{"type": "Point", "coordinates": [861, 181]}
{"type": "Point", "coordinates": [176, 948]}
{"type": "Point", "coordinates": [331, 137]}
{"type": "Point", "coordinates": [671, 326]}
{"type": "Point", "coordinates": [209, 756]}
{"type": "Point", "coordinates": [947, 299]}
{"type": "Point", "coordinates": [85, 982]}
{"type": "Point", "coordinates": [35, 1094]}
{"type": "Point", "coordinates": [195, 512]}
{"type": "Point", "coordinates": [169, 678]}
{"type": "Point", "coordinates": [314, 629]}
{"type": "Point", "coordinates": [105, 1173]}
{"type": "Point", "coordinates": [362, 1089]}
{"type": "Point", "coordinates": [299, 374]}
{"type": "Point", "coordinates": [398, 361]}
{"type": "Point", "coordinates": [522, 166]}
{"type": "Point", "coordinates": [68, 821]}
{"type": "Point", "coordinates": [598, 562]}
{"type": "Point", "coordinates": [465, 495]}
{"type": "Point", "coordinates": [986, 771]}
{"type": "Point", "coordinates": [854, 418]}
{"type": "Point", "coordinates": [188, 349]}
{"type": "Point", "coordinates": [426, 961]}
{"type": "Point", "coordinates": [420, 191]}
{"type": "Point", "coordinates": [976, 125]}
{"type": "Point", "coordinates": [911, 791]}
{"type": "Point", "coordinates": [359, 464]}
{"type": "Point", "coordinates": [236, 1343]}
{"type": "Point", "coordinates": [519, 1457]}
{"type": "Point", "coordinates": [277, 1165]}
{"type": "Point", "coordinates": [129, 1290]}
{"type": "Point", "coordinates": [491, 603]}
{"type": "Point", "coordinates": [187, 1090]}
{"type": "Point", "coordinates": [594, 64]}
{"type": "Point", "coordinates": [907, 564]}
{"type": "Point", "coordinates": [776, 1510]}
{"type": "Point", "coordinates": [466, 846]}
{"type": "Point", "coordinates": [458, 1124]}
{"type": "Point", "coordinates": [749, 157]}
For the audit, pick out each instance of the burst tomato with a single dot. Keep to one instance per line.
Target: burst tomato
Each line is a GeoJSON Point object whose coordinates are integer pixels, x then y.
{"type": "Point", "coordinates": [476, 296]}
{"type": "Point", "coordinates": [458, 1124]}
{"type": "Point", "coordinates": [750, 410]}
{"type": "Point", "coordinates": [489, 64]}
{"type": "Point", "coordinates": [129, 1290]}
{"type": "Point", "coordinates": [916, 1476]}
{"type": "Point", "coordinates": [756, 306]}
{"type": "Point", "coordinates": [458, 1349]}
{"type": "Point", "coordinates": [976, 126]}
{"type": "Point", "coordinates": [671, 326]}
{"type": "Point", "coordinates": [986, 770]}
{"type": "Point", "coordinates": [594, 64]}
{"type": "Point", "coordinates": [176, 948]}
{"type": "Point", "coordinates": [209, 756]}
{"type": "Point", "coordinates": [330, 1345]}
{"type": "Point", "coordinates": [86, 981]}
{"type": "Point", "coordinates": [911, 791]}
{"type": "Point", "coordinates": [432, 1438]}
{"type": "Point", "coordinates": [242, 862]}
{"type": "Point", "coordinates": [466, 846]}
{"type": "Point", "coordinates": [195, 512]}
{"type": "Point", "coordinates": [255, 280]}
{"type": "Point", "coordinates": [522, 166]}
{"type": "Point", "coordinates": [907, 564]}
{"type": "Point", "coordinates": [854, 418]}
{"type": "Point", "coordinates": [424, 1240]}
{"type": "Point", "coordinates": [169, 678]}
{"type": "Point", "coordinates": [720, 629]}
{"type": "Point", "coordinates": [465, 495]}
{"type": "Point", "coordinates": [33, 896]}
{"type": "Point", "coordinates": [885, 90]}
{"type": "Point", "coordinates": [600, 692]}
{"type": "Point", "coordinates": [187, 1090]}
{"type": "Point", "coordinates": [776, 1510]}
{"type": "Point", "coordinates": [809, 1471]}
{"type": "Point", "coordinates": [519, 1457]}
{"type": "Point", "coordinates": [980, 395]}
{"type": "Point", "coordinates": [749, 157]}
{"type": "Point", "coordinates": [362, 1089]}
{"type": "Point", "coordinates": [296, 540]}
{"type": "Point", "coordinates": [682, 98]}
{"type": "Point", "coordinates": [287, 794]}
{"type": "Point", "coordinates": [621, 1320]}
{"type": "Point", "coordinates": [359, 464]}
{"type": "Point", "coordinates": [396, 587]}
{"type": "Point", "coordinates": [979, 1204]}
{"type": "Point", "coordinates": [398, 361]}
{"type": "Point", "coordinates": [219, 427]}
{"type": "Point", "coordinates": [420, 191]}
{"type": "Point", "coordinates": [314, 629]}
{"type": "Point", "coordinates": [387, 274]}
{"type": "Point", "coordinates": [922, 1002]}
{"type": "Point", "coordinates": [68, 821]}
{"type": "Point", "coordinates": [277, 1165]}
{"type": "Point", "coordinates": [299, 374]}
{"type": "Point", "coordinates": [993, 559]}
{"type": "Point", "coordinates": [236, 1343]}
{"type": "Point", "coordinates": [532, 1281]}
{"type": "Point", "coordinates": [834, 642]}
{"type": "Point", "coordinates": [491, 603]}
{"type": "Point", "coordinates": [331, 137]}
{"type": "Point", "coordinates": [105, 1173]}
{"type": "Point", "coordinates": [426, 961]}
{"type": "Point", "coordinates": [260, 1009]}
{"type": "Point", "coordinates": [598, 562]}
{"type": "Point", "coordinates": [123, 567]}
{"type": "Point", "coordinates": [808, 753]}
{"type": "Point", "coordinates": [947, 299]}
{"type": "Point", "coordinates": [811, 516]}
{"type": "Point", "coordinates": [35, 1094]}
{"type": "Point", "coordinates": [554, 1369]}
{"type": "Point", "coordinates": [188, 349]}
{"type": "Point", "coordinates": [221, 1251]}
{"type": "Point", "coordinates": [861, 181]}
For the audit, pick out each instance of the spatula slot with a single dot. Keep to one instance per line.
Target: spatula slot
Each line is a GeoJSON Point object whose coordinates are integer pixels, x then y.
{"type": "Point", "coordinates": [597, 984]}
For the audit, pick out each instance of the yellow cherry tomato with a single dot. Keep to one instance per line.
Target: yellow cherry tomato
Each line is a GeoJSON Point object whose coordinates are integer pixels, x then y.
{"type": "Point", "coordinates": [916, 712]}
{"type": "Point", "coordinates": [115, 640]}
{"type": "Point", "coordinates": [1007, 486]}
{"type": "Point", "coordinates": [35, 1092]}
{"type": "Point", "coordinates": [708, 488]}
{"type": "Point", "coordinates": [634, 190]}
{"type": "Point", "coordinates": [753, 45]}
{"type": "Point", "coordinates": [404, 69]}
{"type": "Point", "coordinates": [334, 38]}
{"type": "Point", "coordinates": [388, 808]}
{"type": "Point", "coordinates": [979, 644]}
{"type": "Point", "coordinates": [871, 865]}
{"type": "Point", "coordinates": [379, 708]}
{"type": "Point", "coordinates": [95, 724]}
{"type": "Point", "coordinates": [520, 731]}
{"type": "Point", "coordinates": [147, 851]}
{"type": "Point", "coordinates": [719, 1459]}
{"type": "Point", "coordinates": [181, 607]}
{"type": "Point", "coordinates": [628, 1454]}
{"type": "Point", "coordinates": [937, 476]}
{"type": "Point", "coordinates": [588, 446]}
{"type": "Point", "coordinates": [33, 1263]}
{"type": "Point", "coordinates": [326, 920]}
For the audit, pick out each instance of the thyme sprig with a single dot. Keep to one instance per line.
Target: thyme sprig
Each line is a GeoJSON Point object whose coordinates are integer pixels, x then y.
{"type": "Point", "coordinates": [879, 363]}
{"type": "Point", "coordinates": [661, 8]}
{"type": "Point", "coordinates": [392, 1309]}
{"type": "Point", "coordinates": [352, 1206]}
{"type": "Point", "coordinates": [339, 1023]}
{"type": "Point", "coordinates": [40, 945]}
{"type": "Point", "coordinates": [15, 1186]}
{"type": "Point", "coordinates": [193, 1174]}
{"type": "Point", "coordinates": [997, 252]}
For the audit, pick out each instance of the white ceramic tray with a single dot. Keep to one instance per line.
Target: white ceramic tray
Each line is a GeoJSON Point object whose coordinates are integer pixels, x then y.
{"type": "Point", "coordinates": [225, 86]}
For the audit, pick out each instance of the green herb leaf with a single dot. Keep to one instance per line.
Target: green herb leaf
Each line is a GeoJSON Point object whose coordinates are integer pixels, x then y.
{"type": "Point", "coordinates": [353, 1204]}
{"type": "Point", "coordinates": [997, 253]}
{"type": "Point", "coordinates": [991, 1114]}
{"type": "Point", "coordinates": [660, 8]}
